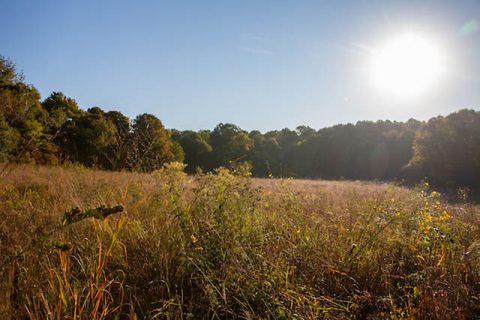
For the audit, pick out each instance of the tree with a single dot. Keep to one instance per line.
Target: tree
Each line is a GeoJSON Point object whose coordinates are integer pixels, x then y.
{"type": "Point", "coordinates": [60, 109]}
{"type": "Point", "coordinates": [87, 138]}
{"type": "Point", "coordinates": [304, 132]}
{"type": "Point", "coordinates": [229, 144]}
{"type": "Point", "coordinates": [447, 150]}
{"type": "Point", "coordinates": [151, 146]}
{"type": "Point", "coordinates": [117, 151]}
{"type": "Point", "coordinates": [196, 149]}
{"type": "Point", "coordinates": [9, 138]}
{"type": "Point", "coordinates": [23, 118]}
{"type": "Point", "coordinates": [264, 155]}
{"type": "Point", "coordinates": [8, 73]}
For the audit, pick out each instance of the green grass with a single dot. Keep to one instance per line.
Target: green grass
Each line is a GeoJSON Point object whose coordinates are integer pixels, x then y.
{"type": "Point", "coordinates": [225, 245]}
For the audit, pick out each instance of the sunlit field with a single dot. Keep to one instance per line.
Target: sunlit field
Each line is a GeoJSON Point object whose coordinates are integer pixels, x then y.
{"type": "Point", "coordinates": [225, 245]}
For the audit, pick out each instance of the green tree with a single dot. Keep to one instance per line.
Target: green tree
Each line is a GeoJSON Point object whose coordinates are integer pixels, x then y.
{"type": "Point", "coordinates": [60, 109]}
{"type": "Point", "coordinates": [447, 150]}
{"type": "Point", "coordinates": [87, 138]}
{"type": "Point", "coordinates": [230, 144]}
{"type": "Point", "coordinates": [117, 151]}
{"type": "Point", "coordinates": [22, 112]}
{"type": "Point", "coordinates": [264, 155]}
{"type": "Point", "coordinates": [151, 146]}
{"type": "Point", "coordinates": [9, 138]}
{"type": "Point", "coordinates": [196, 149]}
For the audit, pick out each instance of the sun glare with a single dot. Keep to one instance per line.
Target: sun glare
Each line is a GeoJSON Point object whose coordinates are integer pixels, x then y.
{"type": "Point", "coordinates": [407, 66]}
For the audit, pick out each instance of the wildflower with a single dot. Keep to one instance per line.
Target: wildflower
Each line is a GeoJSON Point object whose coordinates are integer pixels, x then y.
{"type": "Point", "coordinates": [445, 216]}
{"type": "Point", "coordinates": [194, 239]}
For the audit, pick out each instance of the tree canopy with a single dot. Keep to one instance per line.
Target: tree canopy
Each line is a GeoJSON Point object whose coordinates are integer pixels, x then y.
{"type": "Point", "coordinates": [447, 149]}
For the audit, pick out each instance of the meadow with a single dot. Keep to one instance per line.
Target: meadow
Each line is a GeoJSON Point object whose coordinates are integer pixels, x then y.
{"type": "Point", "coordinates": [224, 245]}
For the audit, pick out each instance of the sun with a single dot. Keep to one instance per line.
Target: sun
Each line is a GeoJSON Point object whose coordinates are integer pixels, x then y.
{"type": "Point", "coordinates": [407, 66]}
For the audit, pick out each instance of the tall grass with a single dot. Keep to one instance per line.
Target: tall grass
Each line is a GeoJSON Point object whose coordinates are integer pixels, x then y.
{"type": "Point", "coordinates": [225, 245]}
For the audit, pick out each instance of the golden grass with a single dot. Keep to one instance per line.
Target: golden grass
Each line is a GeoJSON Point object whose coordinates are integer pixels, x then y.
{"type": "Point", "coordinates": [225, 246]}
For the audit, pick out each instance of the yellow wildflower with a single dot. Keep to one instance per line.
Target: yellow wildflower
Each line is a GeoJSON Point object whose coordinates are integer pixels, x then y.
{"type": "Point", "coordinates": [194, 239]}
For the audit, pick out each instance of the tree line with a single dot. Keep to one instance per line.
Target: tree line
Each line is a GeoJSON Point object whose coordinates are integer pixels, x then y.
{"type": "Point", "coordinates": [446, 150]}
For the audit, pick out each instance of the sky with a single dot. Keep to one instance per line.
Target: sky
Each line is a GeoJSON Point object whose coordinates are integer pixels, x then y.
{"type": "Point", "coordinates": [260, 64]}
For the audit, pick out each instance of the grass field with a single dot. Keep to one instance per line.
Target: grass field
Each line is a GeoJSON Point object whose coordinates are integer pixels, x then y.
{"type": "Point", "coordinates": [224, 245]}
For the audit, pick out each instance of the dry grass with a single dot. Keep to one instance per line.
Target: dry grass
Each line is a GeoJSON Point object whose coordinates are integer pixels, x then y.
{"type": "Point", "coordinates": [225, 246]}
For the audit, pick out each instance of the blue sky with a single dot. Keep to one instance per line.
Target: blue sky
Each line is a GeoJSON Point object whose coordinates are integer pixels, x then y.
{"type": "Point", "coordinates": [259, 64]}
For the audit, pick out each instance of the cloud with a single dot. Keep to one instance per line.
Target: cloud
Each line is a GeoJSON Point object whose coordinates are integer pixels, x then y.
{"type": "Point", "coordinates": [356, 46]}
{"type": "Point", "coordinates": [253, 37]}
{"type": "Point", "coordinates": [254, 44]}
{"type": "Point", "coordinates": [258, 51]}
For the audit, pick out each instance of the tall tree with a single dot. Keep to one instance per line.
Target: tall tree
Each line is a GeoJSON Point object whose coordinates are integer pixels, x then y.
{"type": "Point", "coordinates": [230, 144]}
{"type": "Point", "coordinates": [447, 149]}
{"type": "Point", "coordinates": [151, 146]}
{"type": "Point", "coordinates": [196, 149]}
{"type": "Point", "coordinates": [117, 151]}
{"type": "Point", "coordinates": [60, 109]}
{"type": "Point", "coordinates": [264, 155]}
{"type": "Point", "coordinates": [87, 138]}
{"type": "Point", "coordinates": [23, 117]}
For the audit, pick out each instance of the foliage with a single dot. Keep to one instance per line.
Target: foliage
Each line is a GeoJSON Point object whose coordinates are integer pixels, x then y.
{"type": "Point", "coordinates": [60, 110]}
{"type": "Point", "coordinates": [9, 138]}
{"type": "Point", "coordinates": [57, 130]}
{"type": "Point", "coordinates": [151, 147]}
{"type": "Point", "coordinates": [22, 117]}
{"type": "Point", "coordinates": [230, 144]}
{"type": "Point", "coordinates": [87, 138]}
{"type": "Point", "coordinates": [196, 149]}
{"type": "Point", "coordinates": [447, 149]}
